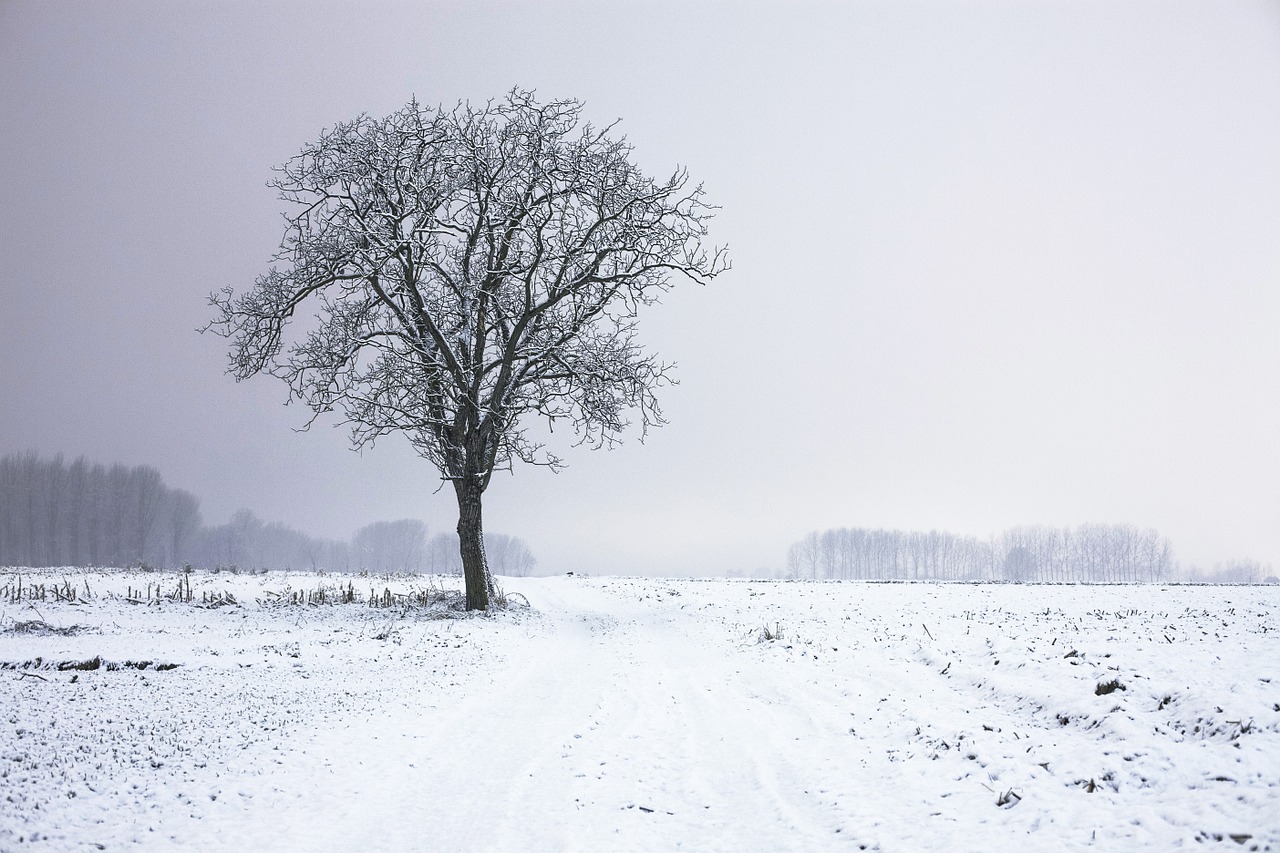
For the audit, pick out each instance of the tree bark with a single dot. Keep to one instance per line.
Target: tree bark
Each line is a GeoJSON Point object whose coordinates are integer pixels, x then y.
{"type": "Point", "coordinates": [475, 569]}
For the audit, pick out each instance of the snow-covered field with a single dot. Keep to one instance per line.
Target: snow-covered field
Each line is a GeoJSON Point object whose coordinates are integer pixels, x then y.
{"type": "Point", "coordinates": [638, 714]}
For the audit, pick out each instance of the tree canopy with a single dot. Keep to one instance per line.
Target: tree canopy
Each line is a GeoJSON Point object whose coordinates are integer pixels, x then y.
{"type": "Point", "coordinates": [465, 268]}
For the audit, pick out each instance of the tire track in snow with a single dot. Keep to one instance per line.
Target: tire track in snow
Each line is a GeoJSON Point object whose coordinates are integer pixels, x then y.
{"type": "Point", "coordinates": [669, 735]}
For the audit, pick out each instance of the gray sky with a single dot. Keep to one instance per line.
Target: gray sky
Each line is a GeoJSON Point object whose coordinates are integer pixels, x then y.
{"type": "Point", "coordinates": [994, 263]}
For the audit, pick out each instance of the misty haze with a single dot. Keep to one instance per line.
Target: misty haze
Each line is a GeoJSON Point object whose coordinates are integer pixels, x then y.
{"type": "Point", "coordinates": [673, 426]}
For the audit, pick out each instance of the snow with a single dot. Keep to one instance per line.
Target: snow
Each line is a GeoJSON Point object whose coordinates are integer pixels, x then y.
{"type": "Point", "coordinates": [641, 714]}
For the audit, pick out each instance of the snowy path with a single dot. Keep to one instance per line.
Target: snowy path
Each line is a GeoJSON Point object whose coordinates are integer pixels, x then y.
{"type": "Point", "coordinates": [610, 724]}
{"type": "Point", "coordinates": [643, 714]}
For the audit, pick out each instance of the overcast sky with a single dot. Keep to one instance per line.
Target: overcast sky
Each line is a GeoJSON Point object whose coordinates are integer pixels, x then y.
{"type": "Point", "coordinates": [994, 263]}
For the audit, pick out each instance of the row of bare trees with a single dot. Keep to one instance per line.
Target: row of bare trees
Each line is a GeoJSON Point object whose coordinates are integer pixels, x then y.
{"type": "Point", "coordinates": [1098, 553]}
{"type": "Point", "coordinates": [53, 513]}
{"type": "Point", "coordinates": [247, 541]}
{"type": "Point", "coordinates": [86, 514]}
{"type": "Point", "coordinates": [1105, 553]}
{"type": "Point", "coordinates": [1242, 570]}
{"type": "Point", "coordinates": [384, 546]}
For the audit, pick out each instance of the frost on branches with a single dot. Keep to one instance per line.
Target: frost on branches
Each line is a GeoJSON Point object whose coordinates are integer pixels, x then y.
{"type": "Point", "coordinates": [466, 267]}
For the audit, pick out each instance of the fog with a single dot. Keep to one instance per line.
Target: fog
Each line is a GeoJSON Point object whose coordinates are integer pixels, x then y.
{"type": "Point", "coordinates": [995, 265]}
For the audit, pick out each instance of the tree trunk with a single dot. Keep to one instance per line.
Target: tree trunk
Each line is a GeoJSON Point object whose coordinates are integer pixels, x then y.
{"type": "Point", "coordinates": [475, 569]}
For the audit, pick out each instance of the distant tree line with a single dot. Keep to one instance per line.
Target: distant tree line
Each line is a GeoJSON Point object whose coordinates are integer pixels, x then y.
{"type": "Point", "coordinates": [1233, 571]}
{"type": "Point", "coordinates": [1098, 553]}
{"type": "Point", "coordinates": [87, 514]}
{"type": "Point", "coordinates": [384, 546]}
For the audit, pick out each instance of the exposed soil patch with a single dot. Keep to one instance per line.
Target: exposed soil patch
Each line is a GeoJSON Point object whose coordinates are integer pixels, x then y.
{"type": "Point", "coordinates": [94, 663]}
{"type": "Point", "coordinates": [1108, 687]}
{"type": "Point", "coordinates": [40, 628]}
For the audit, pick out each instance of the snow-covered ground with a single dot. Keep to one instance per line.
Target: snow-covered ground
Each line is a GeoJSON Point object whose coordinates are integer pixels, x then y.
{"type": "Point", "coordinates": [639, 714]}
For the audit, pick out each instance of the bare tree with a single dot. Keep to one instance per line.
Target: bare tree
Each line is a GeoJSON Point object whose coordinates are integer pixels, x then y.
{"type": "Point", "coordinates": [391, 546]}
{"type": "Point", "coordinates": [509, 555]}
{"type": "Point", "coordinates": [146, 503]}
{"type": "Point", "coordinates": [316, 552]}
{"type": "Point", "coordinates": [469, 267]}
{"type": "Point", "coordinates": [443, 556]}
{"type": "Point", "coordinates": [804, 556]}
{"type": "Point", "coordinates": [184, 524]}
